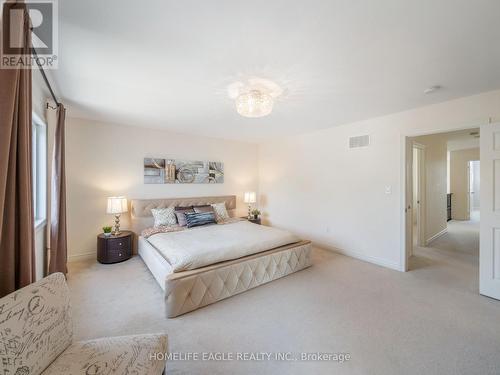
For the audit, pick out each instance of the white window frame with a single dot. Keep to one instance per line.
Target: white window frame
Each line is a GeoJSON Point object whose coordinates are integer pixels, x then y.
{"type": "Point", "coordinates": [39, 158]}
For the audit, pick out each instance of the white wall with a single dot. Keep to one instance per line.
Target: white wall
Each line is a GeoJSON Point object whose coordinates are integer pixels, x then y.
{"type": "Point", "coordinates": [314, 185]}
{"type": "Point", "coordinates": [435, 183]}
{"type": "Point", "coordinates": [459, 179]}
{"type": "Point", "coordinates": [106, 159]}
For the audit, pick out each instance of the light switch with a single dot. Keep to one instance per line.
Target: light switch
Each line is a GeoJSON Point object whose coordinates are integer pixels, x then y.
{"type": "Point", "coordinates": [388, 189]}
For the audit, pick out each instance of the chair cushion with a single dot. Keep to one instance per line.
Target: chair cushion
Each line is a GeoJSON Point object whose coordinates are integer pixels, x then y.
{"type": "Point", "coordinates": [141, 354]}
{"type": "Point", "coordinates": [35, 326]}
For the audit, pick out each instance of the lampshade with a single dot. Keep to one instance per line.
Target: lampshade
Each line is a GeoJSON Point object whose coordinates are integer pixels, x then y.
{"type": "Point", "coordinates": [250, 197]}
{"type": "Point", "coordinates": [117, 205]}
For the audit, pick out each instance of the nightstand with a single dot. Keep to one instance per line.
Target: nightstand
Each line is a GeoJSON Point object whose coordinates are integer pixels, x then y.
{"type": "Point", "coordinates": [114, 249]}
{"type": "Point", "coordinates": [252, 220]}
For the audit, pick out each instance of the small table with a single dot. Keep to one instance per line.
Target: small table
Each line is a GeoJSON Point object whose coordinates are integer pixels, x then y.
{"type": "Point", "coordinates": [252, 220]}
{"type": "Point", "coordinates": [114, 249]}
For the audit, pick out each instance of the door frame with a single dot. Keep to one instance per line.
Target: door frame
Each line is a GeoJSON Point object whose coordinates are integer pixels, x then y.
{"type": "Point", "coordinates": [469, 191]}
{"type": "Point", "coordinates": [404, 249]}
{"type": "Point", "coordinates": [421, 209]}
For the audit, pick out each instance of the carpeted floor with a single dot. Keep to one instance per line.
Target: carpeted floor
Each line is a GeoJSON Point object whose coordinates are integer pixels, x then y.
{"type": "Point", "coordinates": [430, 320]}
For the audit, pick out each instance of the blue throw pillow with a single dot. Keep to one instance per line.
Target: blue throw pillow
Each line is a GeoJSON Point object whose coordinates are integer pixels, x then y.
{"type": "Point", "coordinates": [195, 219]}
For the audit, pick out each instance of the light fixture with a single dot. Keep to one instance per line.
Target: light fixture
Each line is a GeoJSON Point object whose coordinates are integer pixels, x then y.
{"type": "Point", "coordinates": [249, 198]}
{"type": "Point", "coordinates": [254, 97]}
{"type": "Point", "coordinates": [117, 206]}
{"type": "Point", "coordinates": [254, 103]}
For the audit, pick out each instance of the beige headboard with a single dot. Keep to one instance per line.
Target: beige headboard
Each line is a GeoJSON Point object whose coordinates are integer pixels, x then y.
{"type": "Point", "coordinates": [140, 209]}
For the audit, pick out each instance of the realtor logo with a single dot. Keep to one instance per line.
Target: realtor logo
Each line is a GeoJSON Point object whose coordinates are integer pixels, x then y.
{"type": "Point", "coordinates": [42, 18]}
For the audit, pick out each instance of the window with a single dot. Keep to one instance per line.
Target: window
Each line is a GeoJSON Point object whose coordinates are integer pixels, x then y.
{"type": "Point", "coordinates": [39, 155]}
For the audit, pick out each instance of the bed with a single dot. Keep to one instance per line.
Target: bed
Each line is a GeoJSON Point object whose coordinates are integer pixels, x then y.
{"type": "Point", "coordinates": [200, 266]}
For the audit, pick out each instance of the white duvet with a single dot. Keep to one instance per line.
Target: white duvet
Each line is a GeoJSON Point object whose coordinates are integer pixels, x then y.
{"type": "Point", "coordinates": [202, 246]}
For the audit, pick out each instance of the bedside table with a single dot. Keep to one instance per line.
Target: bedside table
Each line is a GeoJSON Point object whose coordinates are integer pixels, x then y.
{"type": "Point", "coordinates": [252, 220]}
{"type": "Point", "coordinates": [114, 249]}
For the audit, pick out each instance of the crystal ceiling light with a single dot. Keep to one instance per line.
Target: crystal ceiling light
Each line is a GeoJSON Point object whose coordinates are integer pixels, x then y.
{"type": "Point", "coordinates": [254, 103]}
{"type": "Point", "coordinates": [255, 97]}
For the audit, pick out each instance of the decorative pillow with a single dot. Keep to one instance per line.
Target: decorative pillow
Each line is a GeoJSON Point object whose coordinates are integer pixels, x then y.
{"type": "Point", "coordinates": [206, 208]}
{"type": "Point", "coordinates": [148, 232]}
{"type": "Point", "coordinates": [180, 212]}
{"type": "Point", "coordinates": [195, 219]}
{"type": "Point", "coordinates": [182, 208]}
{"type": "Point", "coordinates": [220, 211]}
{"type": "Point", "coordinates": [164, 216]}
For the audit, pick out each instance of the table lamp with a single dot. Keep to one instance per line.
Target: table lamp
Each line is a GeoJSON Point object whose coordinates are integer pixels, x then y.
{"type": "Point", "coordinates": [250, 197]}
{"type": "Point", "coordinates": [117, 206]}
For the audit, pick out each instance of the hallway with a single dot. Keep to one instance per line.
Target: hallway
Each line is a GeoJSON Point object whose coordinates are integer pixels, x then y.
{"type": "Point", "coordinates": [452, 259]}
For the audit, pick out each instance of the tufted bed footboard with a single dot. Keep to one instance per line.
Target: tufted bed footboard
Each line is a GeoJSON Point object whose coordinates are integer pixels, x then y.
{"type": "Point", "coordinates": [189, 290]}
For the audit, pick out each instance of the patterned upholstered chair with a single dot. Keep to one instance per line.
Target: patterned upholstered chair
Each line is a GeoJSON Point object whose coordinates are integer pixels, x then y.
{"type": "Point", "coordinates": [36, 337]}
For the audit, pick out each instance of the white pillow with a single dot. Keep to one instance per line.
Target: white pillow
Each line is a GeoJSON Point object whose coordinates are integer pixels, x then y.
{"type": "Point", "coordinates": [220, 211]}
{"type": "Point", "coordinates": [164, 216]}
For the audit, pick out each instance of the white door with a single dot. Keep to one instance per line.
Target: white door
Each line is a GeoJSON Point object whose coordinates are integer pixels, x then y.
{"type": "Point", "coordinates": [489, 259]}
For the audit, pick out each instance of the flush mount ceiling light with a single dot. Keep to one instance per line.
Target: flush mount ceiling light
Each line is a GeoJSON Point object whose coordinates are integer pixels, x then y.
{"type": "Point", "coordinates": [254, 103]}
{"type": "Point", "coordinates": [254, 97]}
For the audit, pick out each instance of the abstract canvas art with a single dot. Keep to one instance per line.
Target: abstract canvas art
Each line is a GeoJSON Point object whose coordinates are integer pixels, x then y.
{"type": "Point", "coordinates": [174, 171]}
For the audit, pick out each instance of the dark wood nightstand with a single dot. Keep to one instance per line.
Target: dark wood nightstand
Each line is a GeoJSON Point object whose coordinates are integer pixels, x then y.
{"type": "Point", "coordinates": [252, 220]}
{"type": "Point", "coordinates": [114, 249]}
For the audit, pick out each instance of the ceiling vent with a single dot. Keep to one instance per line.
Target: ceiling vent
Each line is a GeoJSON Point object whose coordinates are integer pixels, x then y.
{"type": "Point", "coordinates": [359, 142]}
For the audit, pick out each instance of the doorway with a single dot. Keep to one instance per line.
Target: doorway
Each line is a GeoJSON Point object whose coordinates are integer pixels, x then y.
{"type": "Point", "coordinates": [483, 273]}
{"type": "Point", "coordinates": [418, 194]}
{"type": "Point", "coordinates": [474, 196]}
{"type": "Point", "coordinates": [443, 180]}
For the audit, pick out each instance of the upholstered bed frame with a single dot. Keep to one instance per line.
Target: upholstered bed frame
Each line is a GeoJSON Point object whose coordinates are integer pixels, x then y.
{"type": "Point", "coordinates": [189, 290]}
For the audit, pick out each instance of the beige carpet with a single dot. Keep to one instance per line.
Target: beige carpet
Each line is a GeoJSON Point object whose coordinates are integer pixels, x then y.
{"type": "Point", "coordinates": [427, 321]}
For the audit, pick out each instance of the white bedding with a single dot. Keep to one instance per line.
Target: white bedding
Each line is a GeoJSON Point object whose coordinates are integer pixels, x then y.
{"type": "Point", "coordinates": [202, 246]}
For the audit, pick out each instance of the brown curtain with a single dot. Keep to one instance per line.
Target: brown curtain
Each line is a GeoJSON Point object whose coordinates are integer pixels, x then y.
{"type": "Point", "coordinates": [17, 248]}
{"type": "Point", "coordinates": [58, 239]}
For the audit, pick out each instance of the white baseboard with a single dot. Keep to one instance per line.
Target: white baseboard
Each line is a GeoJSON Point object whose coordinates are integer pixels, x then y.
{"type": "Point", "coordinates": [436, 236]}
{"type": "Point", "coordinates": [85, 256]}
{"type": "Point", "coordinates": [365, 258]}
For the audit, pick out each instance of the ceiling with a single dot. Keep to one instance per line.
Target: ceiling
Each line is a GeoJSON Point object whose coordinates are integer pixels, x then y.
{"type": "Point", "coordinates": [455, 140]}
{"type": "Point", "coordinates": [167, 64]}
{"type": "Point", "coordinates": [463, 140]}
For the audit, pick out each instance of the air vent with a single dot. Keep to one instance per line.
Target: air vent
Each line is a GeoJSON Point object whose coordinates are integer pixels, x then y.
{"type": "Point", "coordinates": [360, 141]}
